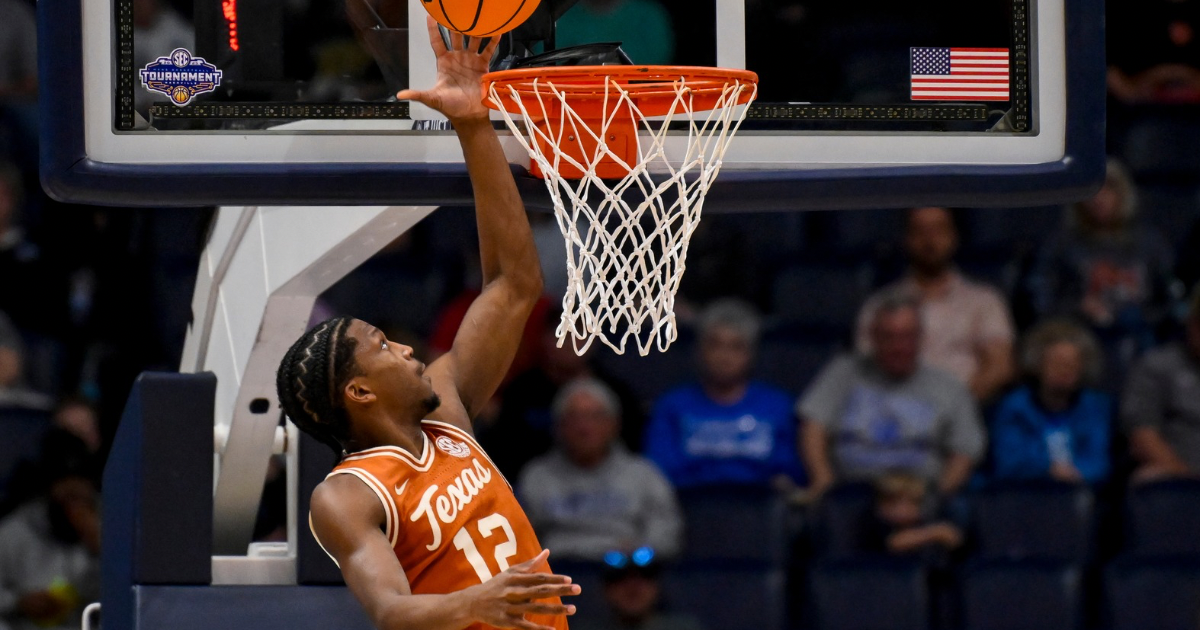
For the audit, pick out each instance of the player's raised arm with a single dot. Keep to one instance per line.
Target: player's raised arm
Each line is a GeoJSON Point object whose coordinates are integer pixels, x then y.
{"type": "Point", "coordinates": [512, 280]}
{"type": "Point", "coordinates": [346, 519]}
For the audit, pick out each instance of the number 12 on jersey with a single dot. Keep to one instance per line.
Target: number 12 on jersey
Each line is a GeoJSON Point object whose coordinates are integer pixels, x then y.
{"type": "Point", "coordinates": [487, 527]}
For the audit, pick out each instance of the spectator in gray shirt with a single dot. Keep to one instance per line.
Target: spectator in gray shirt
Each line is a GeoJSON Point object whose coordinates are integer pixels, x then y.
{"type": "Point", "coordinates": [867, 415]}
{"type": "Point", "coordinates": [590, 495]}
{"type": "Point", "coordinates": [1160, 408]}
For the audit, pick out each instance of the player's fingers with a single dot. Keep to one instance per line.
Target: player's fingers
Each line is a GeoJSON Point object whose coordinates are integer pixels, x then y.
{"type": "Point", "coordinates": [544, 608]}
{"type": "Point", "coordinates": [545, 591]}
{"type": "Point", "coordinates": [424, 98]}
{"type": "Point", "coordinates": [435, 36]}
{"type": "Point", "coordinates": [527, 566]}
{"type": "Point", "coordinates": [489, 50]}
{"type": "Point", "coordinates": [537, 579]}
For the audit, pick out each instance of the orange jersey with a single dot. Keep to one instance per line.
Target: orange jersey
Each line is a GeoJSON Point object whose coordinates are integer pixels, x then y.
{"type": "Point", "coordinates": [451, 517]}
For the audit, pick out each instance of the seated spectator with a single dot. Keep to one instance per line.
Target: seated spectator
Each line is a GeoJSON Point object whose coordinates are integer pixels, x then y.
{"type": "Point", "coordinates": [18, 49]}
{"type": "Point", "coordinates": [901, 524]}
{"type": "Point", "coordinates": [1056, 426]}
{"type": "Point", "coordinates": [49, 563]}
{"type": "Point", "coordinates": [868, 415]}
{"type": "Point", "coordinates": [591, 495]}
{"type": "Point", "coordinates": [1154, 51]}
{"type": "Point", "coordinates": [1107, 269]}
{"type": "Point", "coordinates": [634, 596]}
{"type": "Point", "coordinates": [523, 428]}
{"type": "Point", "coordinates": [13, 392]}
{"type": "Point", "coordinates": [974, 339]}
{"type": "Point", "coordinates": [1160, 407]}
{"type": "Point", "coordinates": [726, 429]}
{"type": "Point", "coordinates": [643, 27]}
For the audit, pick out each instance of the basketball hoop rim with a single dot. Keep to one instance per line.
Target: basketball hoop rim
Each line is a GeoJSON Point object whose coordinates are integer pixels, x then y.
{"type": "Point", "coordinates": [584, 83]}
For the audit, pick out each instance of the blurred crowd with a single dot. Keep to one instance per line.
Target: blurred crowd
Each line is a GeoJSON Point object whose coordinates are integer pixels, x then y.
{"type": "Point", "coordinates": [921, 358]}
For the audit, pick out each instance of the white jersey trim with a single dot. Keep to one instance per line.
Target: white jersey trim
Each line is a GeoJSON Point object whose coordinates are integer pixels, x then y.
{"type": "Point", "coordinates": [319, 543]}
{"type": "Point", "coordinates": [421, 464]}
{"type": "Point", "coordinates": [391, 513]}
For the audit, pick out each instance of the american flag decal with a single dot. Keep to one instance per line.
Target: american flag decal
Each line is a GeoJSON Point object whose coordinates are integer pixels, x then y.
{"type": "Point", "coordinates": [960, 74]}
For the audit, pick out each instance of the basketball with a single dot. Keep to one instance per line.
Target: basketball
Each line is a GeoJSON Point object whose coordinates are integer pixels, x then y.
{"type": "Point", "coordinates": [480, 18]}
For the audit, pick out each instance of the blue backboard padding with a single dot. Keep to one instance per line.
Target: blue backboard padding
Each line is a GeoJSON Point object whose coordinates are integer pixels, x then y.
{"type": "Point", "coordinates": [244, 608]}
{"type": "Point", "coordinates": [157, 518]}
{"type": "Point", "coordinates": [68, 174]}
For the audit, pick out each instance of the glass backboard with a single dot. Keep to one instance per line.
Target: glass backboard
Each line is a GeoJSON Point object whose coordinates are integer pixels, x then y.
{"type": "Point", "coordinates": [247, 101]}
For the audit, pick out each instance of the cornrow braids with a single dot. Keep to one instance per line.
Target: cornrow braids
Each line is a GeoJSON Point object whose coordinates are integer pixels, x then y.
{"type": "Point", "coordinates": [311, 377]}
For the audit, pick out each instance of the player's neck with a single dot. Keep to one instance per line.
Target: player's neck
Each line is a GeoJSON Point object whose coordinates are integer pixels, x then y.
{"type": "Point", "coordinates": [405, 434]}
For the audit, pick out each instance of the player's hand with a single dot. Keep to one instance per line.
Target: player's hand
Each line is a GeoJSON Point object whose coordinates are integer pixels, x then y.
{"type": "Point", "coordinates": [459, 91]}
{"type": "Point", "coordinates": [504, 600]}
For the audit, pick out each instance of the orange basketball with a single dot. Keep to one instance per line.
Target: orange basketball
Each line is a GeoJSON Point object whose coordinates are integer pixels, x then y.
{"type": "Point", "coordinates": [480, 18]}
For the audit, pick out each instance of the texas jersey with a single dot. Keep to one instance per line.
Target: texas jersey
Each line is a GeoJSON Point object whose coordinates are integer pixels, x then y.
{"type": "Point", "coordinates": [451, 517]}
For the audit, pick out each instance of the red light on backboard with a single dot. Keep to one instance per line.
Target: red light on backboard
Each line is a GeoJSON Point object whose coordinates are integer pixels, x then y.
{"type": "Point", "coordinates": [229, 10]}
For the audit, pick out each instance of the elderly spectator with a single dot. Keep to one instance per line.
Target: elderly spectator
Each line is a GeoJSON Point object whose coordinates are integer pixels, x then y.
{"type": "Point", "coordinates": [18, 49]}
{"type": "Point", "coordinates": [523, 429]}
{"type": "Point", "coordinates": [49, 564]}
{"type": "Point", "coordinates": [591, 495]}
{"type": "Point", "coordinates": [1160, 407]}
{"type": "Point", "coordinates": [1057, 425]}
{"type": "Point", "coordinates": [974, 339]}
{"type": "Point", "coordinates": [1108, 269]}
{"type": "Point", "coordinates": [867, 415]}
{"type": "Point", "coordinates": [633, 592]}
{"type": "Point", "coordinates": [726, 429]}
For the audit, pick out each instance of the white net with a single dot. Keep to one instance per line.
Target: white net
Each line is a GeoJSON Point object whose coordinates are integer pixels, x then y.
{"type": "Point", "coordinates": [626, 239]}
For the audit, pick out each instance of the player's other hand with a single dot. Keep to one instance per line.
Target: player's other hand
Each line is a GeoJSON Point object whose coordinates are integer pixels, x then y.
{"type": "Point", "coordinates": [504, 600]}
{"type": "Point", "coordinates": [459, 91]}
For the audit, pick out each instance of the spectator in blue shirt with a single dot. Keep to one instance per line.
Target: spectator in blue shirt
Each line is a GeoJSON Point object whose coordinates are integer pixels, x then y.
{"type": "Point", "coordinates": [1057, 426]}
{"type": "Point", "coordinates": [726, 429]}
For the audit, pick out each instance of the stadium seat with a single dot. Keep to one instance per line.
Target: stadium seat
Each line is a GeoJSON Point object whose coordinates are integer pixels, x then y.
{"type": "Point", "coordinates": [840, 519]}
{"type": "Point", "coordinates": [792, 363]}
{"type": "Point", "coordinates": [1150, 594]}
{"type": "Point", "coordinates": [819, 296]}
{"type": "Point", "coordinates": [728, 599]}
{"type": "Point", "coordinates": [869, 594]}
{"type": "Point", "coordinates": [23, 430]}
{"type": "Point", "coordinates": [1022, 595]}
{"type": "Point", "coordinates": [1163, 519]}
{"type": "Point", "coordinates": [1047, 521]}
{"type": "Point", "coordinates": [738, 525]}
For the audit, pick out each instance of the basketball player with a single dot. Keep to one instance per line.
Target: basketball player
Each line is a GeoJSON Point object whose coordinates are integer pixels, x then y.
{"type": "Point", "coordinates": [425, 529]}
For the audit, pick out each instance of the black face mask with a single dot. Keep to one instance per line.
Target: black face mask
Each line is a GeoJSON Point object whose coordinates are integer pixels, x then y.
{"type": "Point", "coordinates": [60, 524]}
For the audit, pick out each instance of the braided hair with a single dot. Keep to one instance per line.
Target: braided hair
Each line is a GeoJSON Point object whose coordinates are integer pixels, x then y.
{"type": "Point", "coordinates": [311, 378]}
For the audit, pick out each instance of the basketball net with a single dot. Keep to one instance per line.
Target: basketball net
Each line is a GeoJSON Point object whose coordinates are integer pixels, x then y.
{"type": "Point", "coordinates": [627, 237]}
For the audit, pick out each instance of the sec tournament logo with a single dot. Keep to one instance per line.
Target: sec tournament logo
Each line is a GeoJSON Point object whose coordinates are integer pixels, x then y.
{"type": "Point", "coordinates": [181, 76]}
{"type": "Point", "coordinates": [451, 447]}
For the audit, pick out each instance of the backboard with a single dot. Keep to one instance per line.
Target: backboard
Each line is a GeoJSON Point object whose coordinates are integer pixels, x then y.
{"type": "Point", "coordinates": [867, 104]}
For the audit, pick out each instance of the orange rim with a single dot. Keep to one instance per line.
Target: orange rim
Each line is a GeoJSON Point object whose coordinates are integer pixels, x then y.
{"type": "Point", "coordinates": [652, 88]}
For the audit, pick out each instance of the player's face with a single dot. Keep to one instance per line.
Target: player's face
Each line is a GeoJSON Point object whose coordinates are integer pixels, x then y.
{"type": "Point", "coordinates": [587, 428]}
{"type": "Point", "coordinates": [931, 238]}
{"type": "Point", "coordinates": [390, 371]}
{"type": "Point", "coordinates": [896, 337]}
{"type": "Point", "coordinates": [726, 355]}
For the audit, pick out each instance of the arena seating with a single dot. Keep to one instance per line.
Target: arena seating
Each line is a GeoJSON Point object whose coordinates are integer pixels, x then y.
{"type": "Point", "coordinates": [1022, 595]}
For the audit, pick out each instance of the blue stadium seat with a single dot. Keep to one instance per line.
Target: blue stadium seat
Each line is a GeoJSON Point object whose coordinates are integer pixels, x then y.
{"type": "Point", "coordinates": [738, 525]}
{"type": "Point", "coordinates": [840, 520]}
{"type": "Point", "coordinates": [1150, 594]}
{"type": "Point", "coordinates": [824, 296]}
{"type": "Point", "coordinates": [1022, 595]}
{"type": "Point", "coordinates": [1163, 519]}
{"type": "Point", "coordinates": [654, 375]}
{"type": "Point", "coordinates": [1048, 521]}
{"type": "Point", "coordinates": [870, 594]}
{"type": "Point", "coordinates": [793, 363]}
{"type": "Point", "coordinates": [23, 430]}
{"type": "Point", "coordinates": [727, 598]}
